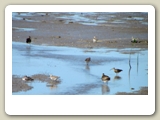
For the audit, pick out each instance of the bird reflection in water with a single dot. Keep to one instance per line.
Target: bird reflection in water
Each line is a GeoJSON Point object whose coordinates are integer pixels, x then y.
{"type": "Point", "coordinates": [28, 49]}
{"type": "Point", "coordinates": [105, 89]}
{"type": "Point", "coordinates": [52, 84]}
{"type": "Point", "coordinates": [28, 40]}
{"type": "Point", "coordinates": [87, 67]}
{"type": "Point", "coordinates": [117, 77]}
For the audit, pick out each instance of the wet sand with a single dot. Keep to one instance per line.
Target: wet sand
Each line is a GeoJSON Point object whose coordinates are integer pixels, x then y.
{"type": "Point", "coordinates": [19, 85]}
{"type": "Point", "coordinates": [51, 30]}
{"type": "Point", "coordinates": [46, 29]}
{"type": "Point", "coordinates": [142, 91]}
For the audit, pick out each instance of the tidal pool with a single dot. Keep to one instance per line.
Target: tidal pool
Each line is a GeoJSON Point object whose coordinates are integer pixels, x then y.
{"type": "Point", "coordinates": [76, 77]}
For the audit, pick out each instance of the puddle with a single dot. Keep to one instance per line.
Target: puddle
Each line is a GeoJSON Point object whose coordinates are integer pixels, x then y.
{"type": "Point", "coordinates": [83, 18]}
{"type": "Point", "coordinates": [118, 21]}
{"type": "Point", "coordinates": [138, 18]}
{"type": "Point", "coordinates": [22, 29]}
{"type": "Point", "coordinates": [90, 24]}
{"type": "Point", "coordinates": [76, 77]}
{"type": "Point", "coordinates": [144, 23]}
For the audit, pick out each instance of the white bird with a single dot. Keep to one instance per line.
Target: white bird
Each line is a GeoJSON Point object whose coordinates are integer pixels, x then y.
{"type": "Point", "coordinates": [52, 77]}
{"type": "Point", "coordinates": [95, 39]}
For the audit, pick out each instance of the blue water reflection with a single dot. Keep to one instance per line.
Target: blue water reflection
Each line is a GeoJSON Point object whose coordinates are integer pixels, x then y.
{"type": "Point", "coordinates": [77, 77]}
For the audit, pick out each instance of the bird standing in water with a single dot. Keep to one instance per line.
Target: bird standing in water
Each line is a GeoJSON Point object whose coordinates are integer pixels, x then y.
{"type": "Point", "coordinates": [116, 70]}
{"type": "Point", "coordinates": [28, 40]}
{"type": "Point", "coordinates": [88, 60]}
{"type": "Point", "coordinates": [105, 78]}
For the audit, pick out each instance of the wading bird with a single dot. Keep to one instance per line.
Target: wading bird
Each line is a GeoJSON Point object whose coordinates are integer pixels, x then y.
{"type": "Point", "coordinates": [116, 70]}
{"type": "Point", "coordinates": [105, 78]}
{"type": "Point", "coordinates": [88, 60]}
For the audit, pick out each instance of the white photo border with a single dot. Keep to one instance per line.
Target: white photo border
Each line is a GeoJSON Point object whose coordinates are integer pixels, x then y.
{"type": "Point", "coordinates": [79, 104]}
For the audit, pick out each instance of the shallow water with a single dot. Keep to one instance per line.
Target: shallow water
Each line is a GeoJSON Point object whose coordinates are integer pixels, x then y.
{"type": "Point", "coordinates": [76, 77]}
{"type": "Point", "coordinates": [22, 29]}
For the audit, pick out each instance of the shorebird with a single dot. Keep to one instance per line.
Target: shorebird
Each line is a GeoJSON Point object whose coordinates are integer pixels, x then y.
{"type": "Point", "coordinates": [105, 78]}
{"type": "Point", "coordinates": [88, 60]}
{"type": "Point", "coordinates": [26, 78]}
{"type": "Point", "coordinates": [52, 77]}
{"type": "Point", "coordinates": [134, 40]}
{"type": "Point", "coordinates": [95, 39]}
{"type": "Point", "coordinates": [28, 40]}
{"type": "Point", "coordinates": [116, 70]}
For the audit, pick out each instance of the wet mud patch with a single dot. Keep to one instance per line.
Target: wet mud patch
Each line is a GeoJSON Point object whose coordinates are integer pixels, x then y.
{"type": "Point", "coordinates": [19, 85]}
{"type": "Point", "coordinates": [142, 91]}
{"type": "Point", "coordinates": [46, 78]}
{"type": "Point", "coordinates": [41, 77]}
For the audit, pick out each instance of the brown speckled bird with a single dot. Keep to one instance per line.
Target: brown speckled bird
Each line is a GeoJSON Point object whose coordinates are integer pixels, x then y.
{"type": "Point", "coordinates": [105, 78]}
{"type": "Point", "coordinates": [88, 60]}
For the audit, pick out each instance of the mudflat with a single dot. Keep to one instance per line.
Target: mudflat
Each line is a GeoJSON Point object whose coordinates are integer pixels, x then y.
{"type": "Point", "coordinates": [60, 29]}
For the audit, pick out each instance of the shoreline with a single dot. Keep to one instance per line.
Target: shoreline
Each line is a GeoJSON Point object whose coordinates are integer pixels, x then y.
{"type": "Point", "coordinates": [96, 46]}
{"type": "Point", "coordinates": [19, 85]}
